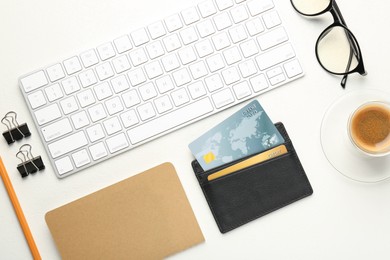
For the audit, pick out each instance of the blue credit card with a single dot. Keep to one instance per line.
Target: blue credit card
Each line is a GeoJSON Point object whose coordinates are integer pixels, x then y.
{"type": "Point", "coordinates": [248, 131]}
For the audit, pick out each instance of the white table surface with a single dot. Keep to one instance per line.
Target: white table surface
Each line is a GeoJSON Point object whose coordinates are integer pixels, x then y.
{"type": "Point", "coordinates": [343, 219]}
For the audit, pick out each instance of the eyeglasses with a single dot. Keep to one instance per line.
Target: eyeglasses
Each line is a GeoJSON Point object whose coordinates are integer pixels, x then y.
{"type": "Point", "coordinates": [337, 49]}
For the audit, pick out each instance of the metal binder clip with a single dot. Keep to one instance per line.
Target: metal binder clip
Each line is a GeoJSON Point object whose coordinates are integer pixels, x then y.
{"type": "Point", "coordinates": [14, 131]}
{"type": "Point", "coordinates": [30, 164]}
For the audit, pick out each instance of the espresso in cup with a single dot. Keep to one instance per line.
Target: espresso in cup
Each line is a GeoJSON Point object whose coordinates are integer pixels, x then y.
{"type": "Point", "coordinates": [369, 128]}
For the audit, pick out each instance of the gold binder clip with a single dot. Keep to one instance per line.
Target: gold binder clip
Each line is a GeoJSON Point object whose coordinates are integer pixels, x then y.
{"type": "Point", "coordinates": [14, 131]}
{"type": "Point", "coordinates": [30, 164]}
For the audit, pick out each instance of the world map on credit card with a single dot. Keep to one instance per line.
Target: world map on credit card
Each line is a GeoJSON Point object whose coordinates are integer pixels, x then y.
{"type": "Point", "coordinates": [248, 131]}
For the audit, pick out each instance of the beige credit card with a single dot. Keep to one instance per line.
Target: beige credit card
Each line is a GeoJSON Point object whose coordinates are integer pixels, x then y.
{"type": "Point", "coordinates": [272, 153]}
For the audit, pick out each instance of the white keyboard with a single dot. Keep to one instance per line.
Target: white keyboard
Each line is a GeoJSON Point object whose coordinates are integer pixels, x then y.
{"type": "Point", "coordinates": [110, 99]}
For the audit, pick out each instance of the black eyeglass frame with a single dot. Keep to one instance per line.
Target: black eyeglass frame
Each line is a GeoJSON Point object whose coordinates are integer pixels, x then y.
{"type": "Point", "coordinates": [338, 20]}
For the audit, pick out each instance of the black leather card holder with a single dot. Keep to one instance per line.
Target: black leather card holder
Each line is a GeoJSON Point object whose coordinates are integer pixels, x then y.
{"type": "Point", "coordinates": [240, 197]}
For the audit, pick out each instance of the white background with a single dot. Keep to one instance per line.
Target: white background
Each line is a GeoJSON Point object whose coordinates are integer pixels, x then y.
{"type": "Point", "coordinates": [343, 219]}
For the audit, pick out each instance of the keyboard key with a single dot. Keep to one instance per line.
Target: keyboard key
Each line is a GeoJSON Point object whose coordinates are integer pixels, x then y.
{"type": "Point", "coordinates": [120, 84]}
{"type": "Point", "coordinates": [80, 120]}
{"type": "Point", "coordinates": [64, 165]}
{"type": "Point", "coordinates": [54, 92]}
{"type": "Point", "coordinates": [147, 91]}
{"type": "Point", "coordinates": [213, 82]}
{"type": "Point", "coordinates": [164, 84]}
{"type": "Point", "coordinates": [271, 19]}
{"type": "Point", "coordinates": [188, 35]}
{"type": "Point", "coordinates": [180, 97]}
{"type": "Point", "coordinates": [89, 58]}
{"type": "Point", "coordinates": [55, 72]}
{"type": "Point", "coordinates": [275, 56]}
{"type": "Point", "coordinates": [69, 105]}
{"type": "Point", "coordinates": [254, 26]}
{"type": "Point", "coordinates": [277, 79]}
{"type": "Point", "coordinates": [187, 55]}
{"type": "Point", "coordinates": [138, 56]}
{"type": "Point", "coordinates": [114, 105]}
{"type": "Point", "coordinates": [274, 72]}
{"type": "Point", "coordinates": [123, 44]}
{"type": "Point", "coordinates": [106, 51]}
{"type": "Point", "coordinates": [204, 48]}
{"type": "Point", "coordinates": [181, 77]}
{"type": "Point", "coordinates": [70, 85]}
{"type": "Point", "coordinates": [232, 55]}
{"type": "Point", "coordinates": [156, 30]}
{"type": "Point", "coordinates": [117, 143]}
{"type": "Point", "coordinates": [205, 28]}
{"type": "Point", "coordinates": [98, 151]}
{"type": "Point", "coordinates": [170, 120]}
{"type": "Point", "coordinates": [190, 15]}
{"type": "Point", "coordinates": [97, 113]}
{"type": "Point", "coordinates": [36, 99]}
{"type": "Point", "coordinates": [198, 70]}
{"type": "Point", "coordinates": [81, 158]}
{"type": "Point", "coordinates": [223, 98]}
{"type": "Point", "coordinates": [258, 6]}
{"type": "Point", "coordinates": [172, 42]}
{"type": "Point", "coordinates": [129, 118]}
{"type": "Point", "coordinates": [173, 23]}
{"type": "Point", "coordinates": [163, 104]}
{"type": "Point", "coordinates": [207, 8]}
{"type": "Point", "coordinates": [95, 133]}
{"type": "Point", "coordinates": [292, 68]}
{"type": "Point", "coordinates": [247, 68]}
{"type": "Point", "coordinates": [34, 81]}
{"type": "Point", "coordinates": [215, 62]}
{"type": "Point", "coordinates": [86, 98]}
{"type": "Point", "coordinates": [249, 48]}
{"type": "Point", "coordinates": [237, 34]}
{"type": "Point", "coordinates": [230, 75]}
{"type": "Point", "coordinates": [222, 21]}
{"type": "Point", "coordinates": [242, 90]}
{"type": "Point", "coordinates": [104, 71]}
{"type": "Point", "coordinates": [72, 65]}
{"type": "Point", "coordinates": [139, 37]}
{"type": "Point", "coordinates": [102, 91]}
{"type": "Point", "coordinates": [87, 78]}
{"type": "Point", "coordinates": [136, 77]}
{"type": "Point", "coordinates": [259, 83]}
{"type": "Point", "coordinates": [131, 98]}
{"type": "Point", "coordinates": [146, 111]}
{"type": "Point", "coordinates": [272, 38]}
{"type": "Point", "coordinates": [121, 64]}
{"type": "Point", "coordinates": [224, 4]}
{"type": "Point", "coordinates": [170, 62]}
{"type": "Point", "coordinates": [221, 41]}
{"type": "Point", "coordinates": [155, 49]}
{"type": "Point", "coordinates": [56, 130]}
{"type": "Point", "coordinates": [112, 126]}
{"type": "Point", "coordinates": [239, 14]}
{"type": "Point", "coordinates": [67, 144]}
{"type": "Point", "coordinates": [197, 90]}
{"type": "Point", "coordinates": [153, 69]}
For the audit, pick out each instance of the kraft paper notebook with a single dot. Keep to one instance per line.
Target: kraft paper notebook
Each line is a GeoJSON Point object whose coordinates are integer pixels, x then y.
{"type": "Point", "coordinates": [147, 216]}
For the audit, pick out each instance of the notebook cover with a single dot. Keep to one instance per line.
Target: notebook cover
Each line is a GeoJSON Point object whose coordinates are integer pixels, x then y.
{"type": "Point", "coordinates": [250, 193]}
{"type": "Point", "coordinates": [147, 216]}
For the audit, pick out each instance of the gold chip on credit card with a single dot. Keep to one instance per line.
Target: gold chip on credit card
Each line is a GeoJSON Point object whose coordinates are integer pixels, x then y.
{"type": "Point", "coordinates": [209, 157]}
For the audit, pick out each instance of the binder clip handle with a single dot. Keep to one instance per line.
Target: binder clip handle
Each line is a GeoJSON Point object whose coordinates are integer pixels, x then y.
{"type": "Point", "coordinates": [29, 164]}
{"type": "Point", "coordinates": [14, 131]}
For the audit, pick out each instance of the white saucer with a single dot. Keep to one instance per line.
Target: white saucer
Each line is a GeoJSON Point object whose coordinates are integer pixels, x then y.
{"type": "Point", "coordinates": [337, 147]}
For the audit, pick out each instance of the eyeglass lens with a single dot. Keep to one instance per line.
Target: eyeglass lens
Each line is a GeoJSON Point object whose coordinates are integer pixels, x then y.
{"type": "Point", "coordinates": [310, 7]}
{"type": "Point", "coordinates": [334, 50]}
